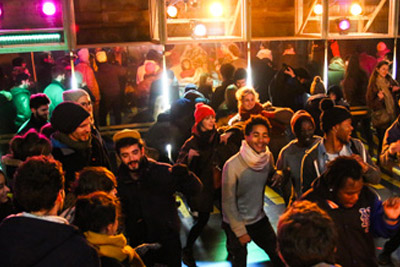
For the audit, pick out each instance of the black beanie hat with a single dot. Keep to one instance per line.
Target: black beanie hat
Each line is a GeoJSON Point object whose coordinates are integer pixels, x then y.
{"type": "Point", "coordinates": [67, 116]}
{"type": "Point", "coordinates": [331, 114]}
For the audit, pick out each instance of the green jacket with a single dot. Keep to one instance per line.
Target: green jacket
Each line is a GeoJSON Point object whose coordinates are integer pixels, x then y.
{"type": "Point", "coordinates": [20, 98]}
{"type": "Point", "coordinates": [54, 93]}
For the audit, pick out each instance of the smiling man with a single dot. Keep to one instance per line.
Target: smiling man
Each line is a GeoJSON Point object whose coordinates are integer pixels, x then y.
{"type": "Point", "coordinates": [244, 178]}
{"type": "Point", "coordinates": [73, 143]}
{"type": "Point", "coordinates": [337, 141]}
{"type": "Point", "coordinates": [356, 210]}
{"type": "Point", "coordinates": [146, 189]}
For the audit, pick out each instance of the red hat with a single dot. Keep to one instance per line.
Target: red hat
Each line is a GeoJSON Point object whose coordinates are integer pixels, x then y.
{"type": "Point", "coordinates": [202, 111]}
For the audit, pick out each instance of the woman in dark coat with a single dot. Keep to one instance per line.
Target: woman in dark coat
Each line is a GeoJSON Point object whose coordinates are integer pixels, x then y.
{"type": "Point", "coordinates": [198, 153]}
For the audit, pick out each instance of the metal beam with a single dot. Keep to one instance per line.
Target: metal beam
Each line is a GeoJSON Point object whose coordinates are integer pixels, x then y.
{"type": "Point", "coordinates": [303, 25]}
{"type": "Point", "coordinates": [374, 14]}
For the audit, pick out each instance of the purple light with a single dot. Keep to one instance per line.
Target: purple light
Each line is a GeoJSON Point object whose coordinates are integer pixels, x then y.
{"type": "Point", "coordinates": [344, 25]}
{"type": "Point", "coordinates": [49, 8]}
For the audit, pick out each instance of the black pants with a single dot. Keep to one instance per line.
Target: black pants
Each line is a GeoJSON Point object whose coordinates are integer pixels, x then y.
{"type": "Point", "coordinates": [197, 228]}
{"type": "Point", "coordinates": [261, 233]}
{"type": "Point", "coordinates": [106, 105]}
{"type": "Point", "coordinates": [392, 244]}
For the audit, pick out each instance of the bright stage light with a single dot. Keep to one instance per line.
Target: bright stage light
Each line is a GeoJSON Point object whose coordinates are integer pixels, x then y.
{"type": "Point", "coordinates": [216, 9]}
{"type": "Point", "coordinates": [318, 9]}
{"type": "Point", "coordinates": [199, 30]}
{"type": "Point", "coordinates": [172, 11]}
{"type": "Point", "coordinates": [355, 9]}
{"type": "Point", "coordinates": [1, 10]}
{"type": "Point", "coordinates": [344, 25]}
{"type": "Point", "coordinates": [49, 8]}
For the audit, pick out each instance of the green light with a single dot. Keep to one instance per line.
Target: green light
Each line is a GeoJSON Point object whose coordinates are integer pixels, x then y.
{"type": "Point", "coordinates": [38, 38]}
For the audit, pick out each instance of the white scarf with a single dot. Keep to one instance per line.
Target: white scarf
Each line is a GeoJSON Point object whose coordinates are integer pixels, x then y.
{"type": "Point", "coordinates": [256, 161]}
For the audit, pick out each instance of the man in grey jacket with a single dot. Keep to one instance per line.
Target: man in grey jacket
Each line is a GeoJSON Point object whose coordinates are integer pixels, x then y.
{"type": "Point", "coordinates": [337, 141]}
{"type": "Point", "coordinates": [244, 178]}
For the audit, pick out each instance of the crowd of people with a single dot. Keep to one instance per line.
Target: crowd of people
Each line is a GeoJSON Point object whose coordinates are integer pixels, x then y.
{"type": "Point", "coordinates": [65, 201]}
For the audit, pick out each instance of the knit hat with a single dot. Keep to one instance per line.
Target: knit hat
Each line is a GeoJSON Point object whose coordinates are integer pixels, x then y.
{"type": "Point", "coordinates": [126, 133]}
{"type": "Point", "coordinates": [317, 86]}
{"type": "Point", "coordinates": [67, 116]}
{"type": "Point", "coordinates": [74, 94]}
{"type": "Point", "coordinates": [202, 111]}
{"type": "Point", "coordinates": [332, 115]}
{"type": "Point", "coordinates": [297, 119]}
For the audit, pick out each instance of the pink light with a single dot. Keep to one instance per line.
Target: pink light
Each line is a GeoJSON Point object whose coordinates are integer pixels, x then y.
{"type": "Point", "coordinates": [344, 25]}
{"type": "Point", "coordinates": [49, 8]}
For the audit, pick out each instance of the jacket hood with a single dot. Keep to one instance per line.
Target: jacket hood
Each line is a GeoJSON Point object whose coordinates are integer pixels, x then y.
{"type": "Point", "coordinates": [32, 239]}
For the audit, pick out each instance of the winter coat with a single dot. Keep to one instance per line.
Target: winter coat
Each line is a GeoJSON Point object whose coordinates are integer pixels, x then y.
{"type": "Point", "coordinates": [89, 78]}
{"type": "Point", "coordinates": [8, 113]}
{"type": "Point", "coordinates": [108, 79]}
{"type": "Point", "coordinates": [54, 92]}
{"type": "Point", "coordinates": [314, 163]}
{"type": "Point", "coordinates": [20, 98]}
{"type": "Point", "coordinates": [34, 242]}
{"type": "Point", "coordinates": [392, 135]}
{"type": "Point", "coordinates": [203, 166]}
{"type": "Point", "coordinates": [32, 123]}
{"type": "Point", "coordinates": [355, 225]}
{"type": "Point", "coordinates": [148, 204]}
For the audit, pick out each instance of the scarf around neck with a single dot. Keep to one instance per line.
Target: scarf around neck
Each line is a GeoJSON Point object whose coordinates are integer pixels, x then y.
{"type": "Point", "coordinates": [256, 161]}
{"type": "Point", "coordinates": [112, 246]}
{"type": "Point", "coordinates": [77, 145]}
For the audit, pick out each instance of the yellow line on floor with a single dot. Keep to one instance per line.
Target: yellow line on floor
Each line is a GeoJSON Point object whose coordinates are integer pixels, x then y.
{"type": "Point", "coordinates": [390, 180]}
{"type": "Point", "coordinates": [273, 196]}
{"type": "Point", "coordinates": [182, 207]}
{"type": "Point", "coordinates": [377, 186]}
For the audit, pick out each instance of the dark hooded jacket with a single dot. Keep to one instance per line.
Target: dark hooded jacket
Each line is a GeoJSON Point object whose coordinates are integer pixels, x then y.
{"type": "Point", "coordinates": [34, 242]}
{"type": "Point", "coordinates": [356, 226]}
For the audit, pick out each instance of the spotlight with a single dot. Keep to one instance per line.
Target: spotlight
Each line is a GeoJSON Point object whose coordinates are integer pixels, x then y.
{"type": "Point", "coordinates": [216, 9]}
{"type": "Point", "coordinates": [355, 9]}
{"type": "Point", "coordinates": [343, 25]}
{"type": "Point", "coordinates": [318, 9]}
{"type": "Point", "coordinates": [1, 10]}
{"type": "Point", "coordinates": [49, 8]}
{"type": "Point", "coordinates": [172, 11]}
{"type": "Point", "coordinates": [199, 30]}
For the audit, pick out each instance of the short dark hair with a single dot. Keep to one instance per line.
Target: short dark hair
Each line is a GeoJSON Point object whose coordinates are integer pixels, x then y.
{"type": "Point", "coordinates": [18, 61]}
{"type": "Point", "coordinates": [30, 144]}
{"type": "Point", "coordinates": [38, 100]}
{"type": "Point", "coordinates": [95, 212]}
{"type": "Point", "coordinates": [125, 142]}
{"type": "Point", "coordinates": [339, 170]}
{"type": "Point", "coordinates": [92, 179]}
{"type": "Point", "coordinates": [37, 183]}
{"type": "Point", "coordinates": [256, 120]}
{"type": "Point", "coordinates": [306, 235]}
{"type": "Point", "coordinates": [20, 78]}
{"type": "Point", "coordinates": [227, 70]}
{"type": "Point", "coordinates": [57, 70]}
{"type": "Point", "coordinates": [240, 74]}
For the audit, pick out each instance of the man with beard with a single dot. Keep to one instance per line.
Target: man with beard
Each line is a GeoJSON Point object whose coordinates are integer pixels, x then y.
{"type": "Point", "coordinates": [289, 159]}
{"type": "Point", "coordinates": [73, 142]}
{"type": "Point", "coordinates": [146, 189]}
{"type": "Point", "coordinates": [337, 141]}
{"type": "Point", "coordinates": [37, 236]}
{"type": "Point", "coordinates": [39, 104]}
{"type": "Point", "coordinates": [244, 178]}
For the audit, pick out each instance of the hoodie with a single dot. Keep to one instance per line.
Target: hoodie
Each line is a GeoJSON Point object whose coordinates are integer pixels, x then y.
{"type": "Point", "coordinates": [27, 241]}
{"type": "Point", "coordinates": [356, 226]}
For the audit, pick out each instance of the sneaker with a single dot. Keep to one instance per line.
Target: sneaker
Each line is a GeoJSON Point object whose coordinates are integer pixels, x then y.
{"type": "Point", "coordinates": [187, 257]}
{"type": "Point", "coordinates": [384, 259]}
